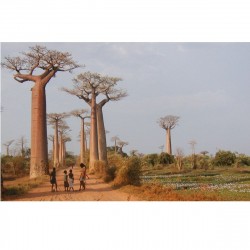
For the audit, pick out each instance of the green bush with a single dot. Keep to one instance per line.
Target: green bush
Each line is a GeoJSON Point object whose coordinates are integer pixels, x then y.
{"type": "Point", "coordinates": [16, 190]}
{"type": "Point", "coordinates": [166, 158]}
{"type": "Point", "coordinates": [15, 165]}
{"type": "Point", "coordinates": [129, 174]}
{"type": "Point", "coordinates": [110, 173]}
{"type": "Point", "coordinates": [224, 158]}
{"type": "Point", "coordinates": [152, 159]}
{"type": "Point", "coordinates": [243, 160]}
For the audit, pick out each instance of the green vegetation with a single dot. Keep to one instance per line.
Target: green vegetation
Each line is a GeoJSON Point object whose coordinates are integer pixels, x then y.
{"type": "Point", "coordinates": [129, 174]}
{"type": "Point", "coordinates": [224, 158]}
{"type": "Point", "coordinates": [15, 174]}
{"type": "Point", "coordinates": [223, 177]}
{"type": "Point", "coordinates": [226, 176]}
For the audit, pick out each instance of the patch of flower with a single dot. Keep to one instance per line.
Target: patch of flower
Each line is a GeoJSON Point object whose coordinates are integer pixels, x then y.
{"type": "Point", "coordinates": [233, 183]}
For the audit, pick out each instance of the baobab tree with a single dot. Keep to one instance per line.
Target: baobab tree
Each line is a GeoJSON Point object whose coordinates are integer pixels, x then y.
{"type": "Point", "coordinates": [121, 144]}
{"type": "Point", "coordinates": [82, 114]}
{"type": "Point", "coordinates": [87, 135]}
{"type": "Point", "coordinates": [193, 143]}
{"type": "Point", "coordinates": [115, 139]}
{"type": "Point", "coordinates": [51, 138]}
{"type": "Point", "coordinates": [65, 139]}
{"type": "Point", "coordinates": [63, 128]}
{"type": "Point", "coordinates": [21, 142]}
{"type": "Point", "coordinates": [168, 122]}
{"type": "Point", "coordinates": [88, 86]}
{"type": "Point", "coordinates": [54, 119]}
{"type": "Point", "coordinates": [39, 65]}
{"type": "Point", "coordinates": [7, 145]}
{"type": "Point", "coordinates": [111, 95]}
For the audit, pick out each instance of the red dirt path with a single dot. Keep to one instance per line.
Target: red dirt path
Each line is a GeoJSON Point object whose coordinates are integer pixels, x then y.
{"type": "Point", "coordinates": [96, 190]}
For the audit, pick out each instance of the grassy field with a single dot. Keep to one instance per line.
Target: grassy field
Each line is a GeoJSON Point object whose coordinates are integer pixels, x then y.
{"type": "Point", "coordinates": [223, 184]}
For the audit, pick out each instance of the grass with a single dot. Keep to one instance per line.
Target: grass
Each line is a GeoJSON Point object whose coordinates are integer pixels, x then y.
{"type": "Point", "coordinates": [20, 186]}
{"type": "Point", "coordinates": [220, 184]}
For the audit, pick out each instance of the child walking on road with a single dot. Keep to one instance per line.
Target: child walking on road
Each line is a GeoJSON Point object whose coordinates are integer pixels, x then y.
{"type": "Point", "coordinates": [53, 180]}
{"type": "Point", "coordinates": [71, 180]}
{"type": "Point", "coordinates": [83, 177]}
{"type": "Point", "coordinates": [66, 183]}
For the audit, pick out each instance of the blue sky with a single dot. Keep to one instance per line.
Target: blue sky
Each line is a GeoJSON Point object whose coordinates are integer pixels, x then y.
{"type": "Point", "coordinates": [206, 84]}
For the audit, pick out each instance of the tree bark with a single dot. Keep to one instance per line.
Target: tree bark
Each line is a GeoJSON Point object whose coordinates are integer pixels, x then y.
{"type": "Point", "coordinates": [102, 144]}
{"type": "Point", "coordinates": [93, 154]}
{"type": "Point", "coordinates": [168, 142]}
{"type": "Point", "coordinates": [82, 143]}
{"type": "Point", "coordinates": [56, 146]}
{"type": "Point", "coordinates": [86, 143]}
{"type": "Point", "coordinates": [39, 146]}
{"type": "Point", "coordinates": [53, 150]}
{"type": "Point", "coordinates": [60, 150]}
{"type": "Point", "coordinates": [63, 153]}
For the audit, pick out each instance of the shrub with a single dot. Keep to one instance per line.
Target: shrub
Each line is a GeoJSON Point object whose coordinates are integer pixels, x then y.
{"type": "Point", "coordinates": [224, 158]}
{"type": "Point", "coordinates": [243, 160]}
{"type": "Point", "coordinates": [16, 166]}
{"type": "Point", "coordinates": [152, 159]}
{"type": "Point", "coordinates": [16, 190]}
{"type": "Point", "coordinates": [110, 173]}
{"type": "Point", "coordinates": [166, 158]}
{"type": "Point", "coordinates": [116, 160]}
{"type": "Point", "coordinates": [129, 174]}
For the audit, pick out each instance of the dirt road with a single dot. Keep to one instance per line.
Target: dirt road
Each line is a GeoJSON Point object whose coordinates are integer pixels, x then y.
{"type": "Point", "coordinates": [96, 190]}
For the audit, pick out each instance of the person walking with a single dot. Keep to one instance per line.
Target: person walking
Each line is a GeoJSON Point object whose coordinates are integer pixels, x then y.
{"type": "Point", "coordinates": [53, 180]}
{"type": "Point", "coordinates": [83, 177]}
{"type": "Point", "coordinates": [65, 179]}
{"type": "Point", "coordinates": [71, 180]}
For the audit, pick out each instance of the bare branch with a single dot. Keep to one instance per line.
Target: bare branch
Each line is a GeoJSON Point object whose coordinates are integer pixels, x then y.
{"type": "Point", "coordinates": [56, 117]}
{"type": "Point", "coordinates": [80, 113]}
{"type": "Point", "coordinates": [115, 138]}
{"type": "Point", "coordinates": [39, 58]}
{"type": "Point", "coordinates": [168, 122]}
{"type": "Point", "coordinates": [8, 143]}
{"type": "Point", "coordinates": [122, 143]}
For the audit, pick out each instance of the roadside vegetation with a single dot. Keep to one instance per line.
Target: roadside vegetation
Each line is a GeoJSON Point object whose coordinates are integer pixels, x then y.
{"type": "Point", "coordinates": [15, 179]}
{"type": "Point", "coordinates": [153, 177]}
{"type": "Point", "coordinates": [225, 176]}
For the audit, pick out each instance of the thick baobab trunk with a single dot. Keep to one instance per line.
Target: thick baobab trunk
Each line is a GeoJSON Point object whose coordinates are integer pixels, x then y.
{"type": "Point", "coordinates": [93, 150]}
{"type": "Point", "coordinates": [53, 149]}
{"type": "Point", "coordinates": [63, 153]}
{"type": "Point", "coordinates": [168, 141]}
{"type": "Point", "coordinates": [39, 146]}
{"type": "Point", "coordinates": [82, 142]}
{"type": "Point", "coordinates": [60, 150]}
{"type": "Point", "coordinates": [102, 144]}
{"type": "Point", "coordinates": [56, 146]}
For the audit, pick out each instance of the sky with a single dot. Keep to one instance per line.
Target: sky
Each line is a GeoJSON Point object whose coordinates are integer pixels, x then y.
{"type": "Point", "coordinates": [205, 84]}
